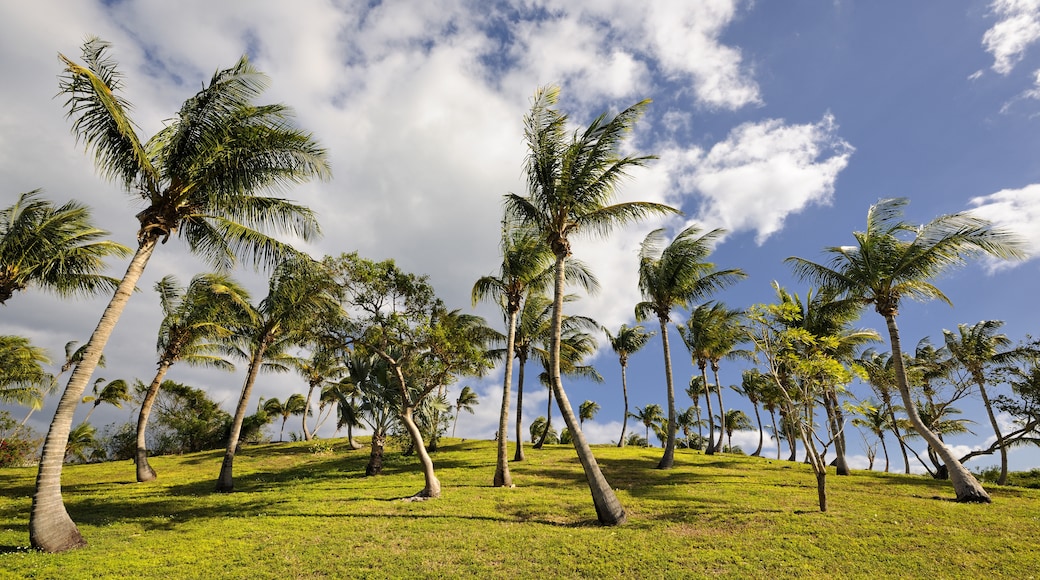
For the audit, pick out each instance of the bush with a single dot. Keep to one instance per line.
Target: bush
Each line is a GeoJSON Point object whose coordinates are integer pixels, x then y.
{"type": "Point", "coordinates": [18, 444]}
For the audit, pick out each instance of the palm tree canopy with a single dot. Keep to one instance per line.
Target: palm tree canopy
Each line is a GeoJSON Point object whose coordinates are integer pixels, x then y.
{"type": "Point", "coordinates": [200, 320]}
{"type": "Point", "coordinates": [199, 175]}
{"type": "Point", "coordinates": [894, 259]}
{"type": "Point", "coordinates": [676, 274]}
{"type": "Point", "coordinates": [571, 181]}
{"type": "Point", "coordinates": [22, 375]}
{"type": "Point", "coordinates": [587, 410]}
{"type": "Point", "coordinates": [628, 341]}
{"type": "Point", "coordinates": [53, 248]}
{"type": "Point", "coordinates": [467, 400]}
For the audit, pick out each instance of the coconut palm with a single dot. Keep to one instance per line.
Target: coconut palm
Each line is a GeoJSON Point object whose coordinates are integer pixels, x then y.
{"type": "Point", "coordinates": [467, 400]}
{"type": "Point", "coordinates": [23, 379]}
{"type": "Point", "coordinates": [978, 348]}
{"type": "Point", "coordinates": [894, 259]}
{"type": "Point", "coordinates": [53, 248]}
{"type": "Point", "coordinates": [876, 420]}
{"type": "Point", "coordinates": [724, 334]}
{"type": "Point", "coordinates": [752, 385]}
{"type": "Point", "coordinates": [694, 390]}
{"type": "Point", "coordinates": [543, 430]}
{"type": "Point", "coordinates": [114, 392]}
{"type": "Point", "coordinates": [576, 345]}
{"type": "Point", "coordinates": [733, 420]}
{"type": "Point", "coordinates": [675, 274]}
{"type": "Point", "coordinates": [625, 343]}
{"type": "Point", "coordinates": [200, 178]}
{"type": "Point", "coordinates": [651, 418]}
{"type": "Point", "coordinates": [696, 334]}
{"type": "Point", "coordinates": [571, 183]}
{"type": "Point", "coordinates": [296, 404]}
{"type": "Point", "coordinates": [322, 367]}
{"type": "Point", "coordinates": [587, 410]}
{"type": "Point", "coordinates": [81, 440]}
{"type": "Point", "coordinates": [197, 323]}
{"type": "Point", "coordinates": [368, 382]}
{"type": "Point", "coordinates": [880, 369]}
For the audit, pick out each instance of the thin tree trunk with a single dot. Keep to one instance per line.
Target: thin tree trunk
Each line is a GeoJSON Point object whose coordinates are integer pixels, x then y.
{"type": "Point", "coordinates": [885, 449]}
{"type": "Point", "coordinates": [50, 527]}
{"type": "Point", "coordinates": [996, 430]}
{"type": "Point", "coordinates": [710, 448]}
{"type": "Point", "coordinates": [225, 481]}
{"type": "Point", "coordinates": [502, 477]}
{"type": "Point", "coordinates": [519, 456]}
{"type": "Point", "coordinates": [967, 488]}
{"type": "Point", "coordinates": [433, 485]}
{"type": "Point", "coordinates": [608, 509]}
{"type": "Point", "coordinates": [761, 435]}
{"type": "Point", "coordinates": [624, 393]}
{"type": "Point", "coordinates": [776, 432]}
{"type": "Point", "coordinates": [722, 410]}
{"type": "Point", "coordinates": [306, 409]}
{"type": "Point", "coordinates": [548, 422]}
{"type": "Point", "coordinates": [834, 417]}
{"type": "Point", "coordinates": [668, 458]}
{"type": "Point", "coordinates": [144, 470]}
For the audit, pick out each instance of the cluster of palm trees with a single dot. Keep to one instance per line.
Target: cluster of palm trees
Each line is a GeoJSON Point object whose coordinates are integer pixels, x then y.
{"type": "Point", "coordinates": [382, 348]}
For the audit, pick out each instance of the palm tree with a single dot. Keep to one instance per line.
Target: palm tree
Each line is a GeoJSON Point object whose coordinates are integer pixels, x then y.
{"type": "Point", "coordinates": [575, 346]}
{"type": "Point", "coordinates": [587, 410]}
{"type": "Point", "coordinates": [752, 385]}
{"type": "Point", "coordinates": [977, 348]}
{"type": "Point", "coordinates": [542, 429]}
{"type": "Point", "coordinates": [650, 416]}
{"type": "Point", "coordinates": [467, 400]}
{"type": "Point", "coordinates": [199, 177]}
{"type": "Point", "coordinates": [526, 265]}
{"type": "Point", "coordinates": [54, 248]}
{"type": "Point", "coordinates": [694, 390]}
{"type": "Point", "coordinates": [300, 293]}
{"type": "Point", "coordinates": [571, 182]}
{"type": "Point", "coordinates": [197, 323]}
{"type": "Point", "coordinates": [724, 334]}
{"type": "Point", "coordinates": [625, 343]}
{"type": "Point", "coordinates": [23, 379]}
{"type": "Point", "coordinates": [114, 393]}
{"type": "Point", "coordinates": [880, 369]}
{"type": "Point", "coordinates": [368, 381]}
{"type": "Point", "coordinates": [674, 275]}
{"type": "Point", "coordinates": [81, 439]}
{"type": "Point", "coordinates": [697, 336]}
{"type": "Point", "coordinates": [876, 420]}
{"type": "Point", "coordinates": [321, 368]}
{"type": "Point", "coordinates": [733, 420]}
{"type": "Point", "coordinates": [894, 259]}
{"type": "Point", "coordinates": [296, 404]}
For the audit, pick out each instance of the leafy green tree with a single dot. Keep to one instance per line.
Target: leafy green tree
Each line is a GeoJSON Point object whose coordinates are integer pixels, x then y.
{"type": "Point", "coordinates": [466, 401]}
{"type": "Point", "coordinates": [587, 411]}
{"type": "Point", "coordinates": [115, 393]}
{"type": "Point", "coordinates": [676, 274]}
{"type": "Point", "coordinates": [53, 248]}
{"type": "Point", "coordinates": [23, 378]}
{"type": "Point", "coordinates": [186, 420]}
{"type": "Point", "coordinates": [979, 348]}
{"type": "Point", "coordinates": [294, 405]}
{"type": "Point", "coordinates": [542, 429]}
{"type": "Point", "coordinates": [321, 367]}
{"type": "Point", "coordinates": [636, 440]}
{"type": "Point", "coordinates": [18, 443]}
{"type": "Point", "coordinates": [571, 182]}
{"type": "Point", "coordinates": [625, 343]}
{"type": "Point", "coordinates": [734, 420]}
{"type": "Point", "coordinates": [200, 177]}
{"type": "Point", "coordinates": [895, 259]}
{"type": "Point", "coordinates": [300, 295]}
{"type": "Point", "coordinates": [82, 440]}
{"type": "Point", "coordinates": [752, 385]}
{"type": "Point", "coordinates": [651, 418]}
{"type": "Point", "coordinates": [198, 323]}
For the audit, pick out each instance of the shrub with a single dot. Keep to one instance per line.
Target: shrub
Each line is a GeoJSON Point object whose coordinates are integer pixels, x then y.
{"type": "Point", "coordinates": [18, 444]}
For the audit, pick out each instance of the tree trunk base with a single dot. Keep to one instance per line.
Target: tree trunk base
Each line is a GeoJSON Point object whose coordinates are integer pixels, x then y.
{"type": "Point", "coordinates": [973, 497]}
{"type": "Point", "coordinates": [144, 470]}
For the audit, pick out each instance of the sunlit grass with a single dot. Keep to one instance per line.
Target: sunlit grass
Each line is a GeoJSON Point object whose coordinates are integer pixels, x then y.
{"type": "Point", "coordinates": [297, 514]}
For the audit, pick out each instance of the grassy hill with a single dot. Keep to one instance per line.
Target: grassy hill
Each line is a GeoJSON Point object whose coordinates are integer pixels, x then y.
{"type": "Point", "coordinates": [300, 514]}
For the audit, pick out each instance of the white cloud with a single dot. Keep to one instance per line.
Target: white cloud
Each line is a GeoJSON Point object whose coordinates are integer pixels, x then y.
{"type": "Point", "coordinates": [1018, 28]}
{"type": "Point", "coordinates": [761, 173]}
{"type": "Point", "coordinates": [1017, 210]}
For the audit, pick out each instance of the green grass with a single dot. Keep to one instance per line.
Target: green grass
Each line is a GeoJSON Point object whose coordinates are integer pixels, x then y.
{"type": "Point", "coordinates": [296, 514]}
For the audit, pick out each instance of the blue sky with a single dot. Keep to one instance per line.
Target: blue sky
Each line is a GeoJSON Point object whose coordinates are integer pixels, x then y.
{"type": "Point", "coordinates": [780, 122]}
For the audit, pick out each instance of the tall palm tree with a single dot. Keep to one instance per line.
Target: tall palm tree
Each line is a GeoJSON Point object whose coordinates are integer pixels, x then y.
{"type": "Point", "coordinates": [197, 323]}
{"type": "Point", "coordinates": [587, 410]}
{"type": "Point", "coordinates": [672, 275]}
{"type": "Point", "coordinates": [300, 293]}
{"type": "Point", "coordinates": [526, 267]}
{"type": "Point", "coordinates": [697, 335]}
{"type": "Point", "coordinates": [625, 343]}
{"type": "Point", "coordinates": [296, 404]}
{"type": "Point", "coordinates": [54, 248]}
{"type": "Point", "coordinates": [322, 367]}
{"type": "Point", "coordinates": [876, 420]}
{"type": "Point", "coordinates": [114, 392]}
{"type": "Point", "coordinates": [199, 177]}
{"type": "Point", "coordinates": [576, 345]}
{"type": "Point", "coordinates": [571, 183]}
{"type": "Point", "coordinates": [978, 348]}
{"type": "Point", "coordinates": [894, 259]}
{"type": "Point", "coordinates": [724, 334]}
{"type": "Point", "coordinates": [694, 390]}
{"type": "Point", "coordinates": [752, 385]}
{"type": "Point", "coordinates": [467, 400]}
{"type": "Point", "coordinates": [880, 369]}
{"type": "Point", "coordinates": [733, 420]}
{"type": "Point", "coordinates": [651, 418]}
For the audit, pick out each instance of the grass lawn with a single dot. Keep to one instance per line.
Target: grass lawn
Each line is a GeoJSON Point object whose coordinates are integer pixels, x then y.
{"type": "Point", "coordinates": [299, 514]}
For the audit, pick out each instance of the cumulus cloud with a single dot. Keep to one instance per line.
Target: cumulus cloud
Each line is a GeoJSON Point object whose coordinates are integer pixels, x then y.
{"type": "Point", "coordinates": [1017, 210]}
{"type": "Point", "coordinates": [1017, 29]}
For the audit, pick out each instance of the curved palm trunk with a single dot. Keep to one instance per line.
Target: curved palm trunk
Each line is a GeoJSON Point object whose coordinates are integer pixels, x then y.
{"type": "Point", "coordinates": [608, 509]}
{"type": "Point", "coordinates": [50, 527]}
{"type": "Point", "coordinates": [624, 393]}
{"type": "Point", "coordinates": [996, 430]}
{"type": "Point", "coordinates": [710, 448]}
{"type": "Point", "coordinates": [548, 422]}
{"type": "Point", "coordinates": [519, 456]}
{"type": "Point", "coordinates": [761, 435]}
{"type": "Point", "coordinates": [887, 399]}
{"type": "Point", "coordinates": [225, 481]}
{"type": "Point", "coordinates": [776, 432]}
{"type": "Point", "coordinates": [884, 448]}
{"type": "Point", "coordinates": [668, 459]}
{"type": "Point", "coordinates": [965, 485]}
{"type": "Point", "coordinates": [722, 410]}
{"type": "Point", "coordinates": [306, 408]}
{"type": "Point", "coordinates": [836, 420]}
{"type": "Point", "coordinates": [502, 476]}
{"type": "Point", "coordinates": [433, 485]}
{"type": "Point", "coordinates": [144, 470]}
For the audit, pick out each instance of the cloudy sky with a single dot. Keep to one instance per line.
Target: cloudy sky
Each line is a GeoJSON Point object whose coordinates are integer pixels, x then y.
{"type": "Point", "coordinates": [778, 121]}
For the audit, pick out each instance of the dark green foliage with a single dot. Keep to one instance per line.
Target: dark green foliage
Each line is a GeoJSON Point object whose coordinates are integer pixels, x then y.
{"type": "Point", "coordinates": [18, 444]}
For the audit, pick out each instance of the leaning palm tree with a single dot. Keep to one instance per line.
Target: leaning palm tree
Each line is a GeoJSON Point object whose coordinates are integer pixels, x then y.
{"type": "Point", "coordinates": [752, 385]}
{"type": "Point", "coordinates": [571, 182]}
{"type": "Point", "coordinates": [467, 400]}
{"type": "Point", "coordinates": [733, 420]}
{"type": "Point", "coordinates": [322, 367]}
{"type": "Point", "coordinates": [54, 248]}
{"type": "Point", "coordinates": [978, 348]}
{"type": "Point", "coordinates": [300, 294]}
{"type": "Point", "coordinates": [625, 343]}
{"type": "Point", "coordinates": [894, 259]}
{"type": "Point", "coordinates": [651, 418]}
{"type": "Point", "coordinates": [587, 410]}
{"type": "Point", "coordinates": [197, 323]}
{"type": "Point", "coordinates": [676, 275]}
{"type": "Point", "coordinates": [114, 392]}
{"type": "Point", "coordinates": [200, 177]}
